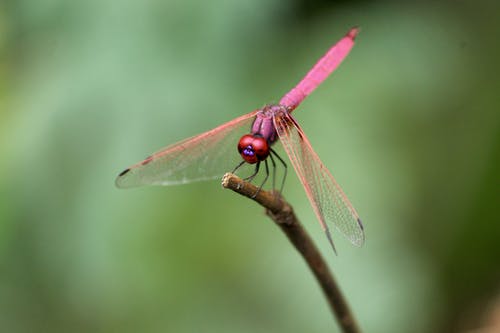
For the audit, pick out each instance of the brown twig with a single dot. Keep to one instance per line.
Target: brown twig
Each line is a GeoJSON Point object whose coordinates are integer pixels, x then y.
{"type": "Point", "coordinates": [282, 214]}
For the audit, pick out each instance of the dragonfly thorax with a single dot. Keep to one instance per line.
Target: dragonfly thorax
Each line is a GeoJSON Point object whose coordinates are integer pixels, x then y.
{"type": "Point", "coordinates": [263, 124]}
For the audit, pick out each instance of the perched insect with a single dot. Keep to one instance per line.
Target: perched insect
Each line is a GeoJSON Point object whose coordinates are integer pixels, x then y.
{"type": "Point", "coordinates": [209, 155]}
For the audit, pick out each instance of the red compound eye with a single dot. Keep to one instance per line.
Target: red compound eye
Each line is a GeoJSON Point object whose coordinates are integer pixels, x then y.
{"type": "Point", "coordinates": [253, 148]}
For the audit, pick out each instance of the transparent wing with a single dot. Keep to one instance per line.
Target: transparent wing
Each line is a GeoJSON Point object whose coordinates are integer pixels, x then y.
{"type": "Point", "coordinates": [329, 202]}
{"type": "Point", "coordinates": [205, 156]}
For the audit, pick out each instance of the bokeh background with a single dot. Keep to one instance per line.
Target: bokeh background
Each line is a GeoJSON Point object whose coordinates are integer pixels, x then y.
{"type": "Point", "coordinates": [409, 125]}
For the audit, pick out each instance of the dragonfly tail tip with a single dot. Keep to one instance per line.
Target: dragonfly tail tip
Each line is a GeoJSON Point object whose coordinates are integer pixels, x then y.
{"type": "Point", "coordinates": [353, 32]}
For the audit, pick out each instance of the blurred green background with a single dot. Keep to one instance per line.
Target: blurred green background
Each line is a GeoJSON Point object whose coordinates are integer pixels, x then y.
{"type": "Point", "coordinates": [409, 125]}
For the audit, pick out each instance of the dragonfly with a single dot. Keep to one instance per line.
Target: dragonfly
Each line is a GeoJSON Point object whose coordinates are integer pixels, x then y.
{"type": "Point", "coordinates": [211, 154]}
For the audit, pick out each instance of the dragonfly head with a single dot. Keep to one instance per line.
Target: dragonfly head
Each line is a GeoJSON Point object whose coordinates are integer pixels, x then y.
{"type": "Point", "coordinates": [253, 148]}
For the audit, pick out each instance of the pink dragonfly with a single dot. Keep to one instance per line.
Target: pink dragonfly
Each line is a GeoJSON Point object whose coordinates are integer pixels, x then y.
{"type": "Point", "coordinates": [209, 155]}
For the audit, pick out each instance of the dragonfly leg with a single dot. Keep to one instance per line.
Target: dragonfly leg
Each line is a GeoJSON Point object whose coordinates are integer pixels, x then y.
{"type": "Point", "coordinates": [251, 177]}
{"type": "Point", "coordinates": [274, 171]}
{"type": "Point", "coordinates": [238, 166]}
{"type": "Point", "coordinates": [284, 165]}
{"type": "Point", "coordinates": [264, 181]}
